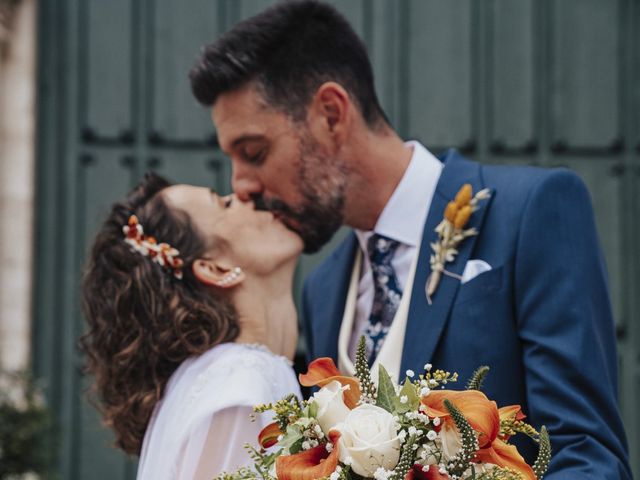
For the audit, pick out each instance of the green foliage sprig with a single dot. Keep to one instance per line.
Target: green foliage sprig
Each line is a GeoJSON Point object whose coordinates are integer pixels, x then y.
{"type": "Point", "coordinates": [460, 463]}
{"type": "Point", "coordinates": [500, 474]}
{"type": "Point", "coordinates": [476, 380]}
{"type": "Point", "coordinates": [437, 378]}
{"type": "Point", "coordinates": [510, 427]}
{"type": "Point", "coordinates": [286, 411]}
{"type": "Point", "coordinates": [262, 466]}
{"type": "Point", "coordinates": [363, 374]}
{"type": "Point", "coordinates": [544, 455]}
{"type": "Point", "coordinates": [406, 459]}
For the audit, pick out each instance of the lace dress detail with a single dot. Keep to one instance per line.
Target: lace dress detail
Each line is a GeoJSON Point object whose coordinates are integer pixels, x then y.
{"type": "Point", "coordinates": [201, 424]}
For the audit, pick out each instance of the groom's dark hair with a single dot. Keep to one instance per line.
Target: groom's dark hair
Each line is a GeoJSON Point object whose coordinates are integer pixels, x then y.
{"type": "Point", "coordinates": [289, 50]}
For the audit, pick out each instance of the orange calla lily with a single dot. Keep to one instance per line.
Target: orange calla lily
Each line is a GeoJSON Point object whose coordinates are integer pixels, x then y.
{"type": "Point", "coordinates": [512, 412]}
{"type": "Point", "coordinates": [311, 464]}
{"type": "Point", "coordinates": [319, 370]}
{"type": "Point", "coordinates": [268, 436]}
{"type": "Point", "coordinates": [507, 456]}
{"type": "Point", "coordinates": [323, 371]}
{"type": "Point", "coordinates": [480, 412]}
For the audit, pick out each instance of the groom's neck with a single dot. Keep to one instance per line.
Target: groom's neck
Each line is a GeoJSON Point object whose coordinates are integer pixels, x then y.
{"type": "Point", "coordinates": [377, 160]}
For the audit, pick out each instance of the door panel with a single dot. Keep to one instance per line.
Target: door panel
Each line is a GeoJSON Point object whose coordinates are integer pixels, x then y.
{"type": "Point", "coordinates": [520, 82]}
{"type": "Point", "coordinates": [106, 76]}
{"type": "Point", "coordinates": [202, 169]}
{"type": "Point", "coordinates": [585, 56]}
{"type": "Point", "coordinates": [439, 72]}
{"type": "Point", "coordinates": [176, 37]}
{"type": "Point", "coordinates": [512, 74]}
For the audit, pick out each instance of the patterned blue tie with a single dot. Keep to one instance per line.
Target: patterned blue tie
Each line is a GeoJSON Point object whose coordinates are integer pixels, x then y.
{"type": "Point", "coordinates": [387, 293]}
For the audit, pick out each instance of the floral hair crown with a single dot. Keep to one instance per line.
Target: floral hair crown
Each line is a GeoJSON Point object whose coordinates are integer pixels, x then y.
{"type": "Point", "coordinates": [161, 253]}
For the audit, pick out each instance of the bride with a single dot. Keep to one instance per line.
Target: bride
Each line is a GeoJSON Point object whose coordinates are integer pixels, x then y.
{"type": "Point", "coordinates": [191, 320]}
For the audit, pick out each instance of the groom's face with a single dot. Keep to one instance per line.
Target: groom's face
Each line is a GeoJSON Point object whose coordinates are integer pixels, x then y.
{"type": "Point", "coordinates": [280, 166]}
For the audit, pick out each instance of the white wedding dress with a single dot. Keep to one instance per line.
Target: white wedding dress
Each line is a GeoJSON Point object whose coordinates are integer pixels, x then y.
{"type": "Point", "coordinates": [199, 427]}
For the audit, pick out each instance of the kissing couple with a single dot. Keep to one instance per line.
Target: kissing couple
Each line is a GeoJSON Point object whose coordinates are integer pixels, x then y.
{"type": "Point", "coordinates": [188, 294]}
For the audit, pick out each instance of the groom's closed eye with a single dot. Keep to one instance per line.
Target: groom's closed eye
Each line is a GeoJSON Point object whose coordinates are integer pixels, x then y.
{"type": "Point", "coordinates": [253, 152]}
{"type": "Point", "coordinates": [254, 159]}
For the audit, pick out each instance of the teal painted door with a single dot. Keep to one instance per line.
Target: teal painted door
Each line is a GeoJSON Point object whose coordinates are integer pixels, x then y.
{"type": "Point", "coordinates": [505, 81]}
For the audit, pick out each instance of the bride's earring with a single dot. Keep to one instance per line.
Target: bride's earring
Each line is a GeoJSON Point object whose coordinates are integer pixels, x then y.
{"type": "Point", "coordinates": [231, 277]}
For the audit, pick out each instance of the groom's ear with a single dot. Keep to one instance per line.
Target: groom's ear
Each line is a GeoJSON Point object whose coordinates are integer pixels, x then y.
{"type": "Point", "coordinates": [216, 274]}
{"type": "Point", "coordinates": [329, 112]}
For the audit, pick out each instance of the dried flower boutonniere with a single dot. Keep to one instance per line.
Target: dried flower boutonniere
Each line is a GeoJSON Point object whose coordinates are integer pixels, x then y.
{"type": "Point", "coordinates": [451, 233]}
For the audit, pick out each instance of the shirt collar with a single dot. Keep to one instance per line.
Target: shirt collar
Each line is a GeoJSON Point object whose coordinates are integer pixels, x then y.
{"type": "Point", "coordinates": [403, 216]}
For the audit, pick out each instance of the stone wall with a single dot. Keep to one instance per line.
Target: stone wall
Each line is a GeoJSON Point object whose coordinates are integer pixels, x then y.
{"type": "Point", "coordinates": [17, 160]}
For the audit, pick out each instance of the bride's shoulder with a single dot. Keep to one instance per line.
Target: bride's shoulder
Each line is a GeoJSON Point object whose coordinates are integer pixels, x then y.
{"type": "Point", "coordinates": [235, 357]}
{"type": "Point", "coordinates": [235, 371]}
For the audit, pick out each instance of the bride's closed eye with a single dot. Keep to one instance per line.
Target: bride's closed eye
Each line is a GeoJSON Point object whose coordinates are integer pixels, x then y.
{"type": "Point", "coordinates": [224, 202]}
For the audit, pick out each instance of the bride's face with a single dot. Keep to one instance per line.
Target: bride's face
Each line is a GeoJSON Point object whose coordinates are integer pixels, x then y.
{"type": "Point", "coordinates": [254, 240]}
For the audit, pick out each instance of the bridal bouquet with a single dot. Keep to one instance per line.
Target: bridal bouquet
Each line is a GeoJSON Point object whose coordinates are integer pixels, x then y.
{"type": "Point", "coordinates": [352, 429]}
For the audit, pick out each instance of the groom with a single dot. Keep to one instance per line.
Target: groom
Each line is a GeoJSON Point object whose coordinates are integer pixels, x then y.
{"type": "Point", "coordinates": [293, 101]}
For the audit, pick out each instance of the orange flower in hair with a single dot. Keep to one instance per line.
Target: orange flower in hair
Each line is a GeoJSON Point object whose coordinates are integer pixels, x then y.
{"type": "Point", "coordinates": [163, 254]}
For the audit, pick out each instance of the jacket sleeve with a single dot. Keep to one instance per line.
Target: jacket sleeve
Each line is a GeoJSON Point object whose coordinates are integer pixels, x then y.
{"type": "Point", "coordinates": [567, 332]}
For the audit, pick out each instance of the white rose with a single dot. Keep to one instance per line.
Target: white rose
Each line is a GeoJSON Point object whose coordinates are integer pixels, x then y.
{"type": "Point", "coordinates": [369, 435]}
{"type": "Point", "coordinates": [331, 407]}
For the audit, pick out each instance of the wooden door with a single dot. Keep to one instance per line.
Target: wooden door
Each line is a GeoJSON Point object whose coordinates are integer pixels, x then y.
{"type": "Point", "coordinates": [505, 81]}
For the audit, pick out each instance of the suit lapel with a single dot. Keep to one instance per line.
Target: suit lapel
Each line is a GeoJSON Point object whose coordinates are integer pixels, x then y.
{"type": "Point", "coordinates": [333, 290]}
{"type": "Point", "coordinates": [426, 323]}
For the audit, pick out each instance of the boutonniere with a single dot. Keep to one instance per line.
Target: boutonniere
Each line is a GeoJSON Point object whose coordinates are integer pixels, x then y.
{"type": "Point", "coordinates": [451, 233]}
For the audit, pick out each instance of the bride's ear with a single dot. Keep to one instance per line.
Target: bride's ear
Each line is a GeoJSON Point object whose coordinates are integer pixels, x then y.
{"type": "Point", "coordinates": [216, 274]}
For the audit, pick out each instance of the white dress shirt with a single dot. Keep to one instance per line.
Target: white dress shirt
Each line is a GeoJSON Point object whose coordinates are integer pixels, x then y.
{"type": "Point", "coordinates": [402, 219]}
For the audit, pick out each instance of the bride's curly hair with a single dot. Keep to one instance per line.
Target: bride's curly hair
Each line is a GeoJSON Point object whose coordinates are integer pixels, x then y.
{"type": "Point", "coordinates": [143, 322]}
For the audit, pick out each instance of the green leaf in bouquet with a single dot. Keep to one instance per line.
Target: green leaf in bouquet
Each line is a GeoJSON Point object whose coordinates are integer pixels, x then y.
{"type": "Point", "coordinates": [312, 409]}
{"type": "Point", "coordinates": [544, 454]}
{"type": "Point", "coordinates": [292, 439]}
{"type": "Point", "coordinates": [475, 382]}
{"type": "Point", "coordinates": [296, 447]}
{"type": "Point", "coordinates": [387, 397]}
{"type": "Point", "coordinates": [412, 400]}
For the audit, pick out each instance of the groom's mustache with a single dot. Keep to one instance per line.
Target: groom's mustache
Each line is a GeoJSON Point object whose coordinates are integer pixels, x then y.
{"type": "Point", "coordinates": [314, 222]}
{"type": "Point", "coordinates": [278, 207]}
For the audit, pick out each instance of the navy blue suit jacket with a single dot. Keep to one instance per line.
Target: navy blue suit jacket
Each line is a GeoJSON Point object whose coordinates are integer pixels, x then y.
{"type": "Point", "coordinates": [541, 318]}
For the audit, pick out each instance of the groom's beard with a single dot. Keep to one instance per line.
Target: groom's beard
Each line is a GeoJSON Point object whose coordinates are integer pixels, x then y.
{"type": "Point", "coordinates": [314, 222]}
{"type": "Point", "coordinates": [322, 183]}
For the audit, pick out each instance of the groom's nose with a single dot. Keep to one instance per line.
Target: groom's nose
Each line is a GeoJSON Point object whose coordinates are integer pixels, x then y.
{"type": "Point", "coordinates": [244, 182]}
